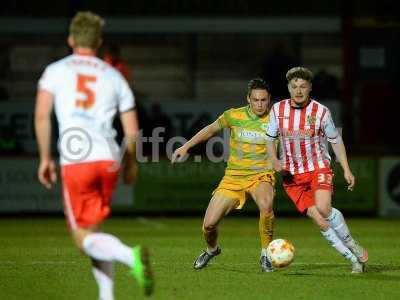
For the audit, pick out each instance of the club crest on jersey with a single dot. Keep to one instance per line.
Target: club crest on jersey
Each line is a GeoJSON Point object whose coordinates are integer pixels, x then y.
{"type": "Point", "coordinates": [311, 120]}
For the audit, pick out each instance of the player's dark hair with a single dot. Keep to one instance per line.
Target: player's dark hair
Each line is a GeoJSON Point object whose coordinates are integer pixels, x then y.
{"type": "Point", "coordinates": [299, 72]}
{"type": "Point", "coordinates": [257, 84]}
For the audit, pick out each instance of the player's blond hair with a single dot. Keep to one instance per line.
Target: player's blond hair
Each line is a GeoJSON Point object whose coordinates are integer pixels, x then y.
{"type": "Point", "coordinates": [86, 29]}
{"type": "Point", "coordinates": [299, 72]}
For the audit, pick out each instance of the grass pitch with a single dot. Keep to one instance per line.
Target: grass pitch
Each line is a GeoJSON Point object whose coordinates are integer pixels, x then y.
{"type": "Point", "coordinates": [38, 261]}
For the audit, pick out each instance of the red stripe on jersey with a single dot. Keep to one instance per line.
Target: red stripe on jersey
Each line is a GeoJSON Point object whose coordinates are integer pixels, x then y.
{"type": "Point", "coordinates": [322, 119]}
{"type": "Point", "coordinates": [312, 129]}
{"type": "Point", "coordinates": [326, 163]}
{"type": "Point", "coordinates": [292, 149]}
{"type": "Point", "coordinates": [303, 142]}
{"type": "Point", "coordinates": [281, 118]}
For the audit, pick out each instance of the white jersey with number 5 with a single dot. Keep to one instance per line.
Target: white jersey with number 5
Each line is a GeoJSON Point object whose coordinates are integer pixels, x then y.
{"type": "Point", "coordinates": [87, 95]}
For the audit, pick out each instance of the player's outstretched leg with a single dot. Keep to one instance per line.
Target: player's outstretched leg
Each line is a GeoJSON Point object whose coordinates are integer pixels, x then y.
{"type": "Point", "coordinates": [337, 222]}
{"type": "Point", "coordinates": [330, 235]}
{"type": "Point", "coordinates": [106, 247]}
{"type": "Point", "coordinates": [141, 269]}
{"type": "Point", "coordinates": [218, 207]}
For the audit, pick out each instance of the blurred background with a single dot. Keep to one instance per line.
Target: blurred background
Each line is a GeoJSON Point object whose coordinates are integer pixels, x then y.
{"type": "Point", "coordinates": [187, 62]}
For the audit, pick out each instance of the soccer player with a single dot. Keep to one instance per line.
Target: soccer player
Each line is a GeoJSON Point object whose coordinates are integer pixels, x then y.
{"type": "Point", "coordinates": [248, 170]}
{"type": "Point", "coordinates": [302, 124]}
{"type": "Point", "coordinates": [86, 94]}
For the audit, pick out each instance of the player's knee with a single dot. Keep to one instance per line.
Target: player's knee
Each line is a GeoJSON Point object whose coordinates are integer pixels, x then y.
{"type": "Point", "coordinates": [79, 236]}
{"type": "Point", "coordinates": [78, 241]}
{"type": "Point", "coordinates": [209, 227]}
{"type": "Point", "coordinates": [266, 209]}
{"type": "Point", "coordinates": [265, 206]}
{"type": "Point", "coordinates": [324, 210]}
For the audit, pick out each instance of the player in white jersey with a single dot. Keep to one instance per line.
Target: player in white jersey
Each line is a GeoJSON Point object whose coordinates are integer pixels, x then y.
{"type": "Point", "coordinates": [302, 124]}
{"type": "Point", "coordinates": [86, 94]}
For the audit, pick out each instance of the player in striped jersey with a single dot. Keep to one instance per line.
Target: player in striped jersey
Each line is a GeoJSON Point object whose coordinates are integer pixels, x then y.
{"type": "Point", "coordinates": [248, 170]}
{"type": "Point", "coordinates": [302, 125]}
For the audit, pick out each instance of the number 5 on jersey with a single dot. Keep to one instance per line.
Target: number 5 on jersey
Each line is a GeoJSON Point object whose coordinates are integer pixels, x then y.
{"type": "Point", "coordinates": [82, 87]}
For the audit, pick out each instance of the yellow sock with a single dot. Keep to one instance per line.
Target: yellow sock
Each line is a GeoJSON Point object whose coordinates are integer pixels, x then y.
{"type": "Point", "coordinates": [266, 227]}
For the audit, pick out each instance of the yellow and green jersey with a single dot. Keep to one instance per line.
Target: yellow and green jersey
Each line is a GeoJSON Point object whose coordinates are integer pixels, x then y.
{"type": "Point", "coordinates": [247, 153]}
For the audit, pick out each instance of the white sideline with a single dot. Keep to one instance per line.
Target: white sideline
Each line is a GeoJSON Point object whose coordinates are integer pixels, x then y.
{"type": "Point", "coordinates": [151, 223]}
{"type": "Point", "coordinates": [70, 262]}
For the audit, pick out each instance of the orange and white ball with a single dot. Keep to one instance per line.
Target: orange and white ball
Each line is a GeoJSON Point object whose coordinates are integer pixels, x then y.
{"type": "Point", "coordinates": [280, 253]}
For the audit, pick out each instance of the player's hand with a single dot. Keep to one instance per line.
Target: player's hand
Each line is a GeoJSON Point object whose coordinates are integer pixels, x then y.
{"type": "Point", "coordinates": [47, 173]}
{"type": "Point", "coordinates": [277, 166]}
{"type": "Point", "coordinates": [130, 172]}
{"type": "Point", "coordinates": [351, 181]}
{"type": "Point", "coordinates": [179, 154]}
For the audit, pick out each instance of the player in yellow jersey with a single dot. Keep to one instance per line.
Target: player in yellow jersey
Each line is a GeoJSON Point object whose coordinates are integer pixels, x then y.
{"type": "Point", "coordinates": [248, 170]}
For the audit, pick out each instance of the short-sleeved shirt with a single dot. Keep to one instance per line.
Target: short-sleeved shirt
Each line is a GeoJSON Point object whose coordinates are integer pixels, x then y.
{"type": "Point", "coordinates": [302, 133]}
{"type": "Point", "coordinates": [87, 95]}
{"type": "Point", "coordinates": [247, 152]}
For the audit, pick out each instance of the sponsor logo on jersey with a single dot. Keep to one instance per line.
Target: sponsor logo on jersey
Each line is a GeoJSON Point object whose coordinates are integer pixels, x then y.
{"type": "Point", "coordinates": [250, 135]}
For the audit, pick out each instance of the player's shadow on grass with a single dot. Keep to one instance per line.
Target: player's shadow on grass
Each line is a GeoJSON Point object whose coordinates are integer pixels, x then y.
{"type": "Point", "coordinates": [373, 272]}
{"type": "Point", "coordinates": [312, 267]}
{"type": "Point", "coordinates": [230, 268]}
{"type": "Point", "coordinates": [382, 268]}
{"type": "Point", "coordinates": [308, 269]}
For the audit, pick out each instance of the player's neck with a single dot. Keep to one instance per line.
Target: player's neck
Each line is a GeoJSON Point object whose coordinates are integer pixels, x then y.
{"type": "Point", "coordinates": [84, 51]}
{"type": "Point", "coordinates": [299, 105]}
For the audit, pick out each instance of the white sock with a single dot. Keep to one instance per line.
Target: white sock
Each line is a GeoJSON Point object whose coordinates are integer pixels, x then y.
{"type": "Point", "coordinates": [263, 252]}
{"type": "Point", "coordinates": [337, 222]}
{"type": "Point", "coordinates": [337, 243]}
{"type": "Point", "coordinates": [106, 247]}
{"type": "Point", "coordinates": [104, 274]}
{"type": "Point", "coordinates": [212, 250]}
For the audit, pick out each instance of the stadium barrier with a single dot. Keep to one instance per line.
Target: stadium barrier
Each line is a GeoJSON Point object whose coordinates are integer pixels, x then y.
{"type": "Point", "coordinates": [389, 186]}
{"type": "Point", "coordinates": [181, 187]}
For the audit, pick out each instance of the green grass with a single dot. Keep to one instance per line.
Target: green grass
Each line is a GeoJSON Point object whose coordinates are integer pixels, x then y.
{"type": "Point", "coordinates": [38, 261]}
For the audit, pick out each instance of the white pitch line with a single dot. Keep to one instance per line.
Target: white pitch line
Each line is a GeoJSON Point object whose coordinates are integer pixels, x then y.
{"type": "Point", "coordinates": [293, 264]}
{"type": "Point", "coordinates": [43, 262]}
{"type": "Point", "coordinates": [151, 223]}
{"type": "Point", "coordinates": [55, 262]}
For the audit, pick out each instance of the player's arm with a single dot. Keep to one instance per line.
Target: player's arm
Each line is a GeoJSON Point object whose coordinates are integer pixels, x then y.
{"type": "Point", "coordinates": [272, 154]}
{"type": "Point", "coordinates": [130, 126]}
{"type": "Point", "coordinates": [201, 136]}
{"type": "Point", "coordinates": [271, 135]}
{"type": "Point", "coordinates": [334, 138]}
{"type": "Point", "coordinates": [340, 152]}
{"type": "Point", "coordinates": [47, 174]}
